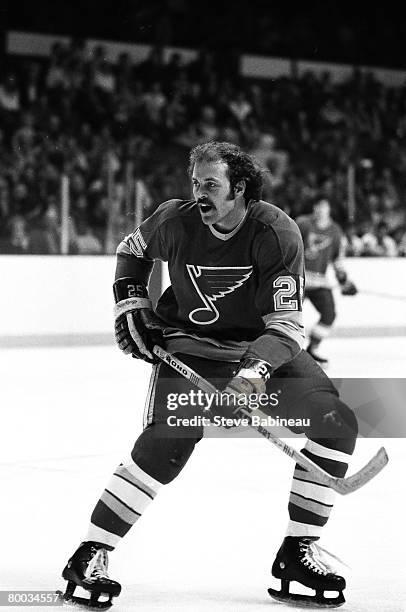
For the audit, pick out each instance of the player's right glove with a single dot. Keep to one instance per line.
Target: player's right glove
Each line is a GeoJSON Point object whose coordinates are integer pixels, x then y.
{"type": "Point", "coordinates": [347, 286]}
{"type": "Point", "coordinates": [137, 327]}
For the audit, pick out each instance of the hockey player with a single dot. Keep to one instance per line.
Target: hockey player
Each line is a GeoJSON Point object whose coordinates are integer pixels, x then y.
{"type": "Point", "coordinates": [233, 312]}
{"type": "Point", "coordinates": [322, 239]}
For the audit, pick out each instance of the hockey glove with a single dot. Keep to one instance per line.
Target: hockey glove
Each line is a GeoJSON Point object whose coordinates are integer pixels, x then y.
{"type": "Point", "coordinates": [349, 289]}
{"type": "Point", "coordinates": [347, 286]}
{"type": "Point", "coordinates": [137, 327]}
{"type": "Point", "coordinates": [249, 380]}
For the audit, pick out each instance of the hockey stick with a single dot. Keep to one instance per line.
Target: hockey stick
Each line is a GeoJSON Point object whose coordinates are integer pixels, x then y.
{"type": "Point", "coordinates": [379, 294]}
{"type": "Point", "coordinates": [341, 485]}
{"type": "Point", "coordinates": [385, 296]}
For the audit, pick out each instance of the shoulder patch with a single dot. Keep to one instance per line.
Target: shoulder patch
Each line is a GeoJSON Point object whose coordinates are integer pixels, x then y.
{"type": "Point", "coordinates": [136, 243]}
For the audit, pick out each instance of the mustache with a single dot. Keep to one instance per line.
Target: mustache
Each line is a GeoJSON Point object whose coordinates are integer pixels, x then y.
{"type": "Point", "coordinates": [204, 200]}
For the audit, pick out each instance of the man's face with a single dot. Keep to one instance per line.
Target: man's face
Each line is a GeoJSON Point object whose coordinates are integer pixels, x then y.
{"type": "Point", "coordinates": [212, 191]}
{"type": "Point", "coordinates": [321, 211]}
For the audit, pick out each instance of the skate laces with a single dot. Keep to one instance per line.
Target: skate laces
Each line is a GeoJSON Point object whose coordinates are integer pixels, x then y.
{"type": "Point", "coordinates": [98, 565]}
{"type": "Point", "coordinates": [319, 558]}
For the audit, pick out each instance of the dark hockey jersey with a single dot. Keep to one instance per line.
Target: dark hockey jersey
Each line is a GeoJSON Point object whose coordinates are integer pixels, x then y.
{"type": "Point", "coordinates": [322, 247]}
{"type": "Point", "coordinates": [231, 294]}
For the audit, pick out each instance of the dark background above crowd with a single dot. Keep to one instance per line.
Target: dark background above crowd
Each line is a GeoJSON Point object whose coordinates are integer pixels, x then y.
{"type": "Point", "coordinates": [353, 32]}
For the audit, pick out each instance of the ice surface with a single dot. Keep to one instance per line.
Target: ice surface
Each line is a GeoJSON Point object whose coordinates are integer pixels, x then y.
{"type": "Point", "coordinates": [208, 541]}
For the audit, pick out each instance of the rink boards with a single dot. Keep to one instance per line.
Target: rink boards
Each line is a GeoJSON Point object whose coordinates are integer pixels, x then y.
{"type": "Point", "coordinates": [71, 297]}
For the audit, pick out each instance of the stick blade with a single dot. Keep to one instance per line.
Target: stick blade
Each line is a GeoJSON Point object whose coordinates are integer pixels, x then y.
{"type": "Point", "coordinates": [364, 475]}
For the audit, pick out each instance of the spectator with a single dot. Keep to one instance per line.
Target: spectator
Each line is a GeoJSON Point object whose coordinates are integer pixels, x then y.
{"type": "Point", "coordinates": [43, 240]}
{"type": "Point", "coordinates": [331, 114]}
{"type": "Point", "coordinates": [239, 107]}
{"type": "Point", "coordinates": [24, 202]}
{"type": "Point", "coordinates": [204, 129]}
{"type": "Point", "coordinates": [207, 128]}
{"type": "Point", "coordinates": [368, 239]}
{"type": "Point", "coordinates": [56, 78]}
{"type": "Point", "coordinates": [15, 240]}
{"type": "Point", "coordinates": [175, 114]}
{"type": "Point", "coordinates": [385, 245]}
{"type": "Point", "coordinates": [31, 84]}
{"type": "Point", "coordinates": [104, 79]}
{"type": "Point", "coordinates": [352, 243]}
{"type": "Point", "coordinates": [86, 241]}
{"type": "Point", "coordinates": [9, 95]}
{"type": "Point", "coordinates": [392, 213]}
{"type": "Point", "coordinates": [154, 101]}
{"type": "Point", "coordinates": [25, 136]}
{"type": "Point", "coordinates": [269, 157]}
{"type": "Point", "coordinates": [9, 102]}
{"type": "Point", "coordinates": [378, 243]}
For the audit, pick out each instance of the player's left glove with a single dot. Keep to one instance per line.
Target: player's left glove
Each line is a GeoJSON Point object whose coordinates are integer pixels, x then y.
{"type": "Point", "coordinates": [347, 286]}
{"type": "Point", "coordinates": [349, 289]}
{"type": "Point", "coordinates": [250, 379]}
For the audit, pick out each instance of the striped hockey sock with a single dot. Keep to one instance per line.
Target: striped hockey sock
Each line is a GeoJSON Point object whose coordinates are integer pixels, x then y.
{"type": "Point", "coordinates": [310, 503]}
{"type": "Point", "coordinates": [121, 504]}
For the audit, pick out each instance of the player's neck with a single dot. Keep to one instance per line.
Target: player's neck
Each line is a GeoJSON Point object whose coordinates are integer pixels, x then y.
{"type": "Point", "coordinates": [233, 219]}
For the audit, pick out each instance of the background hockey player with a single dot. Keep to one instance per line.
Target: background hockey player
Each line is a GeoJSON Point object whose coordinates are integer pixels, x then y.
{"type": "Point", "coordinates": [233, 313]}
{"type": "Point", "coordinates": [322, 239]}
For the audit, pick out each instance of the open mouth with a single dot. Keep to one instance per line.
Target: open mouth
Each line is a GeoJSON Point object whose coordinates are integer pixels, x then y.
{"type": "Point", "coordinates": [205, 207]}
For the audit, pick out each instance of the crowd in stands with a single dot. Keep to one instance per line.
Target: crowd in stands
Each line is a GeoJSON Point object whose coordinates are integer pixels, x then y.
{"type": "Point", "coordinates": [105, 125]}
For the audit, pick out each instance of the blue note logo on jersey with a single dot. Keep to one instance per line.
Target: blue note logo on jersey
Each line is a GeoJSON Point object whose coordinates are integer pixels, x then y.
{"type": "Point", "coordinates": [213, 283]}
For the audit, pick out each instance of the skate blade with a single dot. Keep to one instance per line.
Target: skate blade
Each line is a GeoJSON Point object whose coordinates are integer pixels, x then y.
{"type": "Point", "coordinates": [91, 603]}
{"type": "Point", "coordinates": [307, 601]}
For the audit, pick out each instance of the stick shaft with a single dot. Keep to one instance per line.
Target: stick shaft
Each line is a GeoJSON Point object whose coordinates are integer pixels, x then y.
{"type": "Point", "coordinates": [379, 294]}
{"type": "Point", "coordinates": [341, 485]}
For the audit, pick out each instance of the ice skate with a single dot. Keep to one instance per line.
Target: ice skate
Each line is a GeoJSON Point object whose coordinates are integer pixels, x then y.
{"type": "Point", "coordinates": [87, 568]}
{"type": "Point", "coordinates": [300, 560]}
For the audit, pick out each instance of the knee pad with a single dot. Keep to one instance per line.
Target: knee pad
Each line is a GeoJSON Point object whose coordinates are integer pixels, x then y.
{"type": "Point", "coordinates": [160, 454]}
{"type": "Point", "coordinates": [334, 424]}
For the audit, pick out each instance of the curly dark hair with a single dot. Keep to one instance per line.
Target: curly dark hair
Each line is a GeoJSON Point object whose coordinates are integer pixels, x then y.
{"type": "Point", "coordinates": [241, 166]}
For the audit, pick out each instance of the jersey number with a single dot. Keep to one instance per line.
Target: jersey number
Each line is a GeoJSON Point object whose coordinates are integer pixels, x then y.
{"type": "Point", "coordinates": [286, 288]}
